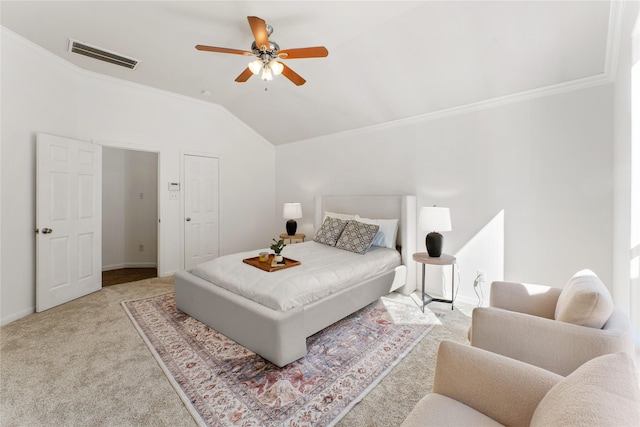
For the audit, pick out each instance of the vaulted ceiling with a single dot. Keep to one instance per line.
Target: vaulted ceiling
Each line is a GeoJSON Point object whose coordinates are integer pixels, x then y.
{"type": "Point", "coordinates": [388, 60]}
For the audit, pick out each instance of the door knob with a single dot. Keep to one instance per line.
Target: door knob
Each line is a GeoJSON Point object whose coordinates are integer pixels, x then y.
{"type": "Point", "coordinates": [188, 219]}
{"type": "Point", "coordinates": [47, 231]}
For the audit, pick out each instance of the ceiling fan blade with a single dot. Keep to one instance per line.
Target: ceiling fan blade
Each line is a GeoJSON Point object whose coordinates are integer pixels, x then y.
{"type": "Point", "coordinates": [304, 52]}
{"type": "Point", "coordinates": [259, 29]}
{"type": "Point", "coordinates": [244, 76]}
{"type": "Point", "coordinates": [224, 50]}
{"type": "Point", "coordinates": [293, 76]}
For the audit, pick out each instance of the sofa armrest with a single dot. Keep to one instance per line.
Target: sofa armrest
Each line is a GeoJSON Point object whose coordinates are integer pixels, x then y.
{"type": "Point", "coordinates": [504, 389]}
{"type": "Point", "coordinates": [537, 300]}
{"type": "Point", "coordinates": [620, 325]}
{"type": "Point", "coordinates": [550, 344]}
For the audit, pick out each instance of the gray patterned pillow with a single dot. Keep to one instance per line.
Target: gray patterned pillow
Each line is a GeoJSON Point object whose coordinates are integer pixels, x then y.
{"type": "Point", "coordinates": [357, 237]}
{"type": "Point", "coordinates": [330, 231]}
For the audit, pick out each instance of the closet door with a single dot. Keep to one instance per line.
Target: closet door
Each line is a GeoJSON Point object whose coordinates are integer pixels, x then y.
{"type": "Point", "coordinates": [68, 220]}
{"type": "Point", "coordinates": [200, 209]}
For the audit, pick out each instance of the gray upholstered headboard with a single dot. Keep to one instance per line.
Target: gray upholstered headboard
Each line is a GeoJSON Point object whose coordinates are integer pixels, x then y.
{"type": "Point", "coordinates": [402, 207]}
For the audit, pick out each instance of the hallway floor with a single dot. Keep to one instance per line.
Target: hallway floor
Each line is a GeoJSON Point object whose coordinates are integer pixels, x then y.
{"type": "Point", "coordinates": [125, 275]}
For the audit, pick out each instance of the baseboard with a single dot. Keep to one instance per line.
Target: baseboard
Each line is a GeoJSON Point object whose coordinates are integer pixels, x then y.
{"type": "Point", "coordinates": [15, 316]}
{"type": "Point", "coordinates": [129, 265]}
{"type": "Point", "coordinates": [471, 300]}
{"type": "Point", "coordinates": [167, 273]}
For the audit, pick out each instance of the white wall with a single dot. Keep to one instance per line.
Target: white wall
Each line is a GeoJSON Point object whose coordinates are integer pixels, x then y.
{"type": "Point", "coordinates": [626, 292]}
{"type": "Point", "coordinates": [113, 212]}
{"type": "Point", "coordinates": [42, 93]}
{"type": "Point", "coordinates": [146, 120]}
{"type": "Point", "coordinates": [141, 207]}
{"type": "Point", "coordinates": [32, 101]}
{"type": "Point", "coordinates": [541, 167]}
{"type": "Point", "coordinates": [130, 205]}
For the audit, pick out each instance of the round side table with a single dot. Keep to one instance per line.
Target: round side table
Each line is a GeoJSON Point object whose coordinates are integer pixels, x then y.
{"type": "Point", "coordinates": [444, 259]}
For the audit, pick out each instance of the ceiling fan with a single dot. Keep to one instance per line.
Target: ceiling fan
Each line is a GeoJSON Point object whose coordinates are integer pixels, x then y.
{"type": "Point", "coordinates": [267, 51]}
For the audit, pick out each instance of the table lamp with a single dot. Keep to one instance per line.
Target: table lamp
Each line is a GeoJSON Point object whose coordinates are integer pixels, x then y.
{"type": "Point", "coordinates": [434, 219]}
{"type": "Point", "coordinates": [291, 212]}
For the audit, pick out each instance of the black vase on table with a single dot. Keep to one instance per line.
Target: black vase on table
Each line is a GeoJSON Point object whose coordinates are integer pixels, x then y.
{"type": "Point", "coordinates": [292, 226]}
{"type": "Point", "coordinates": [434, 244]}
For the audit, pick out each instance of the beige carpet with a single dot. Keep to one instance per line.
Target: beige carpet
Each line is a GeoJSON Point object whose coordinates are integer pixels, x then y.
{"type": "Point", "coordinates": [83, 363]}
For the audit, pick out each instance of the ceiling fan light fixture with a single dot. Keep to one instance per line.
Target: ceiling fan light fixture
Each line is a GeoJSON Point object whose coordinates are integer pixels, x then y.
{"type": "Point", "coordinates": [276, 67]}
{"type": "Point", "coordinates": [267, 75]}
{"type": "Point", "coordinates": [255, 66]}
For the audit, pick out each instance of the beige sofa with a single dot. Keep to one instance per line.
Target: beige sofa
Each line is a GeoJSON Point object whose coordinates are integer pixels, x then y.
{"type": "Point", "coordinates": [555, 329]}
{"type": "Point", "coordinates": [474, 387]}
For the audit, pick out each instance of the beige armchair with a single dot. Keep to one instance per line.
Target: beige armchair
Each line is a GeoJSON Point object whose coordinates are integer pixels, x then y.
{"type": "Point", "coordinates": [555, 329]}
{"type": "Point", "coordinates": [474, 387]}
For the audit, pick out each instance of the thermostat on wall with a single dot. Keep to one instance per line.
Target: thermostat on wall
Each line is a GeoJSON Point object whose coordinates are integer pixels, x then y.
{"type": "Point", "coordinates": [174, 186]}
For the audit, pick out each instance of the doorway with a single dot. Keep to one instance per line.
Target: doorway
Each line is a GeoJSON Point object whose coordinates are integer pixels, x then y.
{"type": "Point", "coordinates": [129, 215]}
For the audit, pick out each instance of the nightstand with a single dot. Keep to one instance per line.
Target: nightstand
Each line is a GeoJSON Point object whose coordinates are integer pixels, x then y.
{"type": "Point", "coordinates": [444, 259]}
{"type": "Point", "coordinates": [290, 240]}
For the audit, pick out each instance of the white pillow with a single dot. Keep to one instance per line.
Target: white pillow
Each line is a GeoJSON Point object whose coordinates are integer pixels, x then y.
{"type": "Point", "coordinates": [584, 301]}
{"type": "Point", "coordinates": [386, 236]}
{"type": "Point", "coordinates": [346, 217]}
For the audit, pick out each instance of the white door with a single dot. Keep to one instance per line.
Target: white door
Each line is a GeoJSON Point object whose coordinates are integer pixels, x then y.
{"type": "Point", "coordinates": [68, 220]}
{"type": "Point", "coordinates": [200, 209]}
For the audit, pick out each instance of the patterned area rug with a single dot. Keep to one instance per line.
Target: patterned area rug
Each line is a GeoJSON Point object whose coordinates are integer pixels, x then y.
{"type": "Point", "coordinates": [224, 384]}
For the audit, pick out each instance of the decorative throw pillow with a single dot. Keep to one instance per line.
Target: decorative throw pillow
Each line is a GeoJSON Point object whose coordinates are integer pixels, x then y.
{"type": "Point", "coordinates": [330, 231]}
{"type": "Point", "coordinates": [386, 236]}
{"type": "Point", "coordinates": [357, 237]}
{"type": "Point", "coordinates": [602, 392]}
{"type": "Point", "coordinates": [584, 301]}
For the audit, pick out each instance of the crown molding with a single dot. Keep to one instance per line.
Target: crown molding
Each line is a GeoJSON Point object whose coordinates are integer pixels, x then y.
{"type": "Point", "coordinates": [543, 92]}
{"type": "Point", "coordinates": [614, 35]}
{"type": "Point", "coordinates": [616, 12]}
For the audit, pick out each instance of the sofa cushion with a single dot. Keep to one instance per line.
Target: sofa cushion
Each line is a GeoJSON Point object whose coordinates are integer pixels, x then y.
{"type": "Point", "coordinates": [438, 410]}
{"type": "Point", "coordinates": [602, 392]}
{"type": "Point", "coordinates": [584, 301]}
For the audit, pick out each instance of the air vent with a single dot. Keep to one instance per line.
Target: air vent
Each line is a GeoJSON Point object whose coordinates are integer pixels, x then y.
{"type": "Point", "coordinates": [102, 54]}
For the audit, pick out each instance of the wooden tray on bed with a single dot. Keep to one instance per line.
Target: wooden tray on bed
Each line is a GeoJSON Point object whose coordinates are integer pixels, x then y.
{"type": "Point", "coordinates": [266, 265]}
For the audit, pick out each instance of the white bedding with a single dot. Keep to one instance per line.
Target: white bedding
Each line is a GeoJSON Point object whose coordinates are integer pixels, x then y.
{"type": "Point", "coordinates": [323, 271]}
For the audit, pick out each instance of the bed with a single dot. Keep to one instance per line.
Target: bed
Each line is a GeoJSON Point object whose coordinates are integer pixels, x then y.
{"type": "Point", "coordinates": [276, 327]}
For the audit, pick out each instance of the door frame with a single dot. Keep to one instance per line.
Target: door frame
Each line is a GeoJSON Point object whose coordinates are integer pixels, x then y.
{"type": "Point", "coordinates": [184, 153]}
{"type": "Point", "coordinates": [146, 149]}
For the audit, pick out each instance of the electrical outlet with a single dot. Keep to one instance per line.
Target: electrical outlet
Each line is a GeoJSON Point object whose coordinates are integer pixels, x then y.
{"type": "Point", "coordinates": [141, 248]}
{"type": "Point", "coordinates": [481, 275]}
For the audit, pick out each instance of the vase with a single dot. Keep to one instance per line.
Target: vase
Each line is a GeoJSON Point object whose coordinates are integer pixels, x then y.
{"type": "Point", "coordinates": [434, 244]}
{"type": "Point", "coordinates": [279, 258]}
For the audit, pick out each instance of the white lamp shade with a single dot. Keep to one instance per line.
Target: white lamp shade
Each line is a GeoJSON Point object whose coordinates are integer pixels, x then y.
{"type": "Point", "coordinates": [292, 211]}
{"type": "Point", "coordinates": [434, 219]}
{"type": "Point", "coordinates": [276, 67]}
{"type": "Point", "coordinates": [255, 66]}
